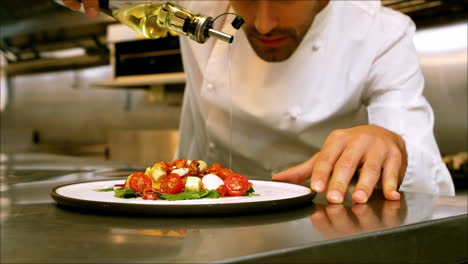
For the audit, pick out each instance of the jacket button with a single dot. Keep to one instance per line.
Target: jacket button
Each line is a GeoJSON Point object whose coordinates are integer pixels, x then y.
{"type": "Point", "coordinates": [317, 45]}
{"type": "Point", "coordinates": [211, 145]}
{"type": "Point", "coordinates": [295, 112]}
{"type": "Point", "coordinates": [210, 87]}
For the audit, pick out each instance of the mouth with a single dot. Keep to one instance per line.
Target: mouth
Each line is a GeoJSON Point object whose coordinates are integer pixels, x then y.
{"type": "Point", "coordinates": [272, 41]}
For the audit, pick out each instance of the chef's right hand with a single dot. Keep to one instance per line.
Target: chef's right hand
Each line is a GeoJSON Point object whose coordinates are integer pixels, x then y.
{"type": "Point", "coordinates": [91, 6]}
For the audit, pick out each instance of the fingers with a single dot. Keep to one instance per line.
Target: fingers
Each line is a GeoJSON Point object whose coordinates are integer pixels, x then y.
{"type": "Point", "coordinates": [370, 172]}
{"type": "Point", "coordinates": [74, 5]}
{"type": "Point", "coordinates": [298, 173]}
{"type": "Point", "coordinates": [391, 175]}
{"type": "Point", "coordinates": [323, 167]}
{"type": "Point", "coordinates": [91, 7]}
{"type": "Point", "coordinates": [344, 170]}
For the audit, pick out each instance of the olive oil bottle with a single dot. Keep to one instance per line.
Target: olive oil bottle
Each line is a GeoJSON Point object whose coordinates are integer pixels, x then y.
{"type": "Point", "coordinates": [154, 19]}
{"type": "Point", "coordinates": [143, 18]}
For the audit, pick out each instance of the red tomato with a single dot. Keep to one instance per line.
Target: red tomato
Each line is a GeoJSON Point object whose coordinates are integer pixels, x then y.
{"type": "Point", "coordinates": [220, 171]}
{"type": "Point", "coordinates": [149, 195]}
{"type": "Point", "coordinates": [213, 168]}
{"type": "Point", "coordinates": [224, 173]}
{"type": "Point", "coordinates": [179, 163]}
{"type": "Point", "coordinates": [222, 190]}
{"type": "Point", "coordinates": [172, 184]}
{"type": "Point", "coordinates": [236, 184]}
{"type": "Point", "coordinates": [139, 182]}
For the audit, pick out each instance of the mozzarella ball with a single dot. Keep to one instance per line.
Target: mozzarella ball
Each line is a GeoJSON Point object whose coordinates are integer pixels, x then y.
{"type": "Point", "coordinates": [212, 182]}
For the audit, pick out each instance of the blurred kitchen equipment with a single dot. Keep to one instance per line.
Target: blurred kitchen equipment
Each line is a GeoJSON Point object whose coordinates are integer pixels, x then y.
{"type": "Point", "coordinates": [147, 56]}
{"type": "Point", "coordinates": [457, 161]}
{"type": "Point", "coordinates": [458, 167]}
{"type": "Point", "coordinates": [142, 147]}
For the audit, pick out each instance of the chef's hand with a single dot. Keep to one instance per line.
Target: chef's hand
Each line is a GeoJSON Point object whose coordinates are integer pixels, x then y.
{"type": "Point", "coordinates": [380, 153]}
{"type": "Point", "coordinates": [91, 6]}
{"type": "Point", "coordinates": [336, 220]}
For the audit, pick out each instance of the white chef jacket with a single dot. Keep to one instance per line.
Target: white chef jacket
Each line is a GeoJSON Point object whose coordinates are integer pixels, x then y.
{"type": "Point", "coordinates": [356, 65]}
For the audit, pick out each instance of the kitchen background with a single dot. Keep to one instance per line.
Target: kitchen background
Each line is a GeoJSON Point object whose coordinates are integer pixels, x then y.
{"type": "Point", "coordinates": [69, 85]}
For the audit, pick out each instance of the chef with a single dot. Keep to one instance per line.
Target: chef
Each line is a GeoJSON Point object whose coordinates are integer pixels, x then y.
{"type": "Point", "coordinates": [320, 90]}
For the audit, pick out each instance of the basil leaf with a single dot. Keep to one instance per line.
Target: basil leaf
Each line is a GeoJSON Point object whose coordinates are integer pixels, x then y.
{"type": "Point", "coordinates": [211, 194]}
{"type": "Point", "coordinates": [250, 192]}
{"type": "Point", "coordinates": [190, 195]}
{"type": "Point", "coordinates": [105, 189]}
{"type": "Point", "coordinates": [124, 193]}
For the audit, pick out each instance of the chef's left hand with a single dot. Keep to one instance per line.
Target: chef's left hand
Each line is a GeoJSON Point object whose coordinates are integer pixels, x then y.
{"type": "Point", "coordinates": [380, 153]}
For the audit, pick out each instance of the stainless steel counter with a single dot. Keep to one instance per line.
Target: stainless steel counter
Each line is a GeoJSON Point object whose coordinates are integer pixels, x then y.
{"type": "Point", "coordinates": [419, 228]}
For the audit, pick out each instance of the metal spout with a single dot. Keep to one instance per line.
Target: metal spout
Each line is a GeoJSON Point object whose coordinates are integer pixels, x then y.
{"type": "Point", "coordinates": [220, 35]}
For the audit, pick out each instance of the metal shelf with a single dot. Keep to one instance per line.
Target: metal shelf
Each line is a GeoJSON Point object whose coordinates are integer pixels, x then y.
{"type": "Point", "coordinates": [142, 80]}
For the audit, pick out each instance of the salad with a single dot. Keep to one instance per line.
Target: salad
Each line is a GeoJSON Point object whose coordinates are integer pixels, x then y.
{"type": "Point", "coordinates": [183, 180]}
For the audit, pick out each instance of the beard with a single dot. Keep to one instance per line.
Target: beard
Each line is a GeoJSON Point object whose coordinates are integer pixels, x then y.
{"type": "Point", "coordinates": [276, 53]}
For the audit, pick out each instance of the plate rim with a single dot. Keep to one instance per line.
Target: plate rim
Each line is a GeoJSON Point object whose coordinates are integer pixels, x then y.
{"type": "Point", "coordinates": [180, 209]}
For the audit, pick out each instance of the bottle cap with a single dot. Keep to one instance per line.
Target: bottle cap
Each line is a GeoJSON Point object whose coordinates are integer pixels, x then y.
{"type": "Point", "coordinates": [237, 22]}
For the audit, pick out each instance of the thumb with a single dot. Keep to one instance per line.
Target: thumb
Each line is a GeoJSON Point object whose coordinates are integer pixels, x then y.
{"type": "Point", "coordinates": [298, 173]}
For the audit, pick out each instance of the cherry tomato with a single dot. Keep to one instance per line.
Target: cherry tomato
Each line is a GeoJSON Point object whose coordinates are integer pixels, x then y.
{"type": "Point", "coordinates": [213, 168]}
{"type": "Point", "coordinates": [224, 173]}
{"type": "Point", "coordinates": [236, 184]}
{"type": "Point", "coordinates": [220, 171]}
{"type": "Point", "coordinates": [149, 195]}
{"type": "Point", "coordinates": [179, 163]}
{"type": "Point", "coordinates": [222, 190]}
{"type": "Point", "coordinates": [172, 184]}
{"type": "Point", "coordinates": [139, 182]}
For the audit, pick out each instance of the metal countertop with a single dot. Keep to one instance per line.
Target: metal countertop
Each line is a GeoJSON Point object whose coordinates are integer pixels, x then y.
{"type": "Point", "coordinates": [34, 229]}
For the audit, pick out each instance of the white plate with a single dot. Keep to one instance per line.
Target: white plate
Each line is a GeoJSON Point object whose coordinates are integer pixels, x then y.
{"type": "Point", "coordinates": [271, 196]}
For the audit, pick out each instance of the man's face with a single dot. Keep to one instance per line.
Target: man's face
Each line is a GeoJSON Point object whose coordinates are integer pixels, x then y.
{"type": "Point", "coordinates": [275, 28]}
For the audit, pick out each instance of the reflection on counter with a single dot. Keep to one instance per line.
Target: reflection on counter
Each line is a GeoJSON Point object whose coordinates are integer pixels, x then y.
{"type": "Point", "coordinates": [337, 220]}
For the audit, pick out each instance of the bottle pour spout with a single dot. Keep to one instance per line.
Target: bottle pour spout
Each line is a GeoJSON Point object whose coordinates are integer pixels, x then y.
{"type": "Point", "coordinates": [220, 35]}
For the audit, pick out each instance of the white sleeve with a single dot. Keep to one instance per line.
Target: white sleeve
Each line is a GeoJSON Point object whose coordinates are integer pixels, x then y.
{"type": "Point", "coordinates": [395, 102]}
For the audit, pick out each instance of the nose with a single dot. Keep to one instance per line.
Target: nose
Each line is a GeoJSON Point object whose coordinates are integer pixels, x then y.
{"type": "Point", "coordinates": [265, 20]}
